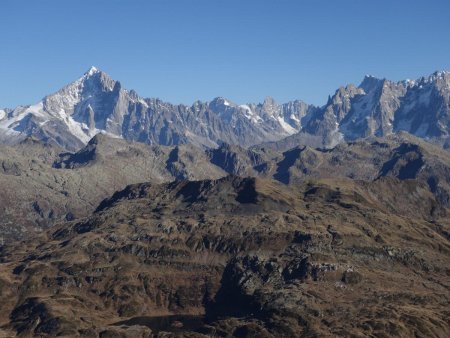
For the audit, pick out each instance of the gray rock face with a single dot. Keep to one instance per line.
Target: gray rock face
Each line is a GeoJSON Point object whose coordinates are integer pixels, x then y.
{"type": "Point", "coordinates": [42, 185]}
{"type": "Point", "coordinates": [425, 109]}
{"type": "Point", "coordinates": [95, 103]}
{"type": "Point", "coordinates": [380, 107]}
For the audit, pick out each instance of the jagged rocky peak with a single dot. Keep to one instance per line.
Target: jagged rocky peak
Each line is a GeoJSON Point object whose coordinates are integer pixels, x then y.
{"type": "Point", "coordinates": [93, 83]}
{"type": "Point", "coordinates": [223, 107]}
{"type": "Point", "coordinates": [95, 72]}
{"type": "Point", "coordinates": [344, 93]}
{"type": "Point", "coordinates": [221, 101]}
{"type": "Point", "coordinates": [269, 105]}
{"type": "Point", "coordinates": [371, 83]}
{"type": "Point", "coordinates": [442, 80]}
{"type": "Point", "coordinates": [337, 107]}
{"type": "Point", "coordinates": [96, 103]}
{"type": "Point", "coordinates": [296, 105]}
{"type": "Point", "coordinates": [97, 77]}
{"type": "Point", "coordinates": [269, 102]}
{"type": "Point", "coordinates": [438, 75]}
{"type": "Point", "coordinates": [134, 95]}
{"type": "Point", "coordinates": [92, 71]}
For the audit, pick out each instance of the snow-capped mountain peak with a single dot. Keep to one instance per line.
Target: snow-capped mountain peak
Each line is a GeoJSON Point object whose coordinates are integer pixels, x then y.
{"type": "Point", "coordinates": [221, 101]}
{"type": "Point", "coordinates": [95, 103]}
{"type": "Point", "coordinates": [91, 71]}
{"type": "Point", "coordinates": [74, 114]}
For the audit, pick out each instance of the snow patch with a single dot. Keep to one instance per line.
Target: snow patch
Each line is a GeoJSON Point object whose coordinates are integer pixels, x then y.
{"type": "Point", "coordinates": [82, 132]}
{"type": "Point", "coordinates": [92, 71]}
{"type": "Point", "coordinates": [20, 113]}
{"type": "Point", "coordinates": [294, 118]}
{"type": "Point", "coordinates": [249, 114]}
{"type": "Point", "coordinates": [287, 127]}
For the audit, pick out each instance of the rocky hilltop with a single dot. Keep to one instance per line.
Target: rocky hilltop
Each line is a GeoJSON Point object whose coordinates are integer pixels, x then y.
{"type": "Point", "coordinates": [43, 185]}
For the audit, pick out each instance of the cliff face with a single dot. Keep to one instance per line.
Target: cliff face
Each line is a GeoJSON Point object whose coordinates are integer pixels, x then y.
{"type": "Point", "coordinates": [95, 103]}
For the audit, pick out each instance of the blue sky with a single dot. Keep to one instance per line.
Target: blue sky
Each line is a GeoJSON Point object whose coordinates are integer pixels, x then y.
{"type": "Point", "coordinates": [184, 50]}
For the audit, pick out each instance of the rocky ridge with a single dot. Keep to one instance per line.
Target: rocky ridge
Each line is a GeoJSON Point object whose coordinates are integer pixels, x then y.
{"type": "Point", "coordinates": [45, 185]}
{"type": "Point", "coordinates": [95, 103]}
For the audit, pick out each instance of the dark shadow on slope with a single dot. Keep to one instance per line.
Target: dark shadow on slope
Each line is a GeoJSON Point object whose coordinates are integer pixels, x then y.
{"type": "Point", "coordinates": [289, 158]}
{"type": "Point", "coordinates": [247, 191]}
{"type": "Point", "coordinates": [405, 164]}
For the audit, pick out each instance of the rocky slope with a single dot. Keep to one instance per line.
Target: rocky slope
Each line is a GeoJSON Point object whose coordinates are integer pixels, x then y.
{"type": "Point", "coordinates": [95, 103]}
{"type": "Point", "coordinates": [239, 257]}
{"type": "Point", "coordinates": [44, 185]}
{"type": "Point", "coordinates": [378, 107]}
{"type": "Point", "coordinates": [402, 156]}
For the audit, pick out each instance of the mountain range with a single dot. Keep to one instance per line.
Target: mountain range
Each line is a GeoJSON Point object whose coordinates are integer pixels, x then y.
{"type": "Point", "coordinates": [122, 216]}
{"type": "Point", "coordinates": [95, 103]}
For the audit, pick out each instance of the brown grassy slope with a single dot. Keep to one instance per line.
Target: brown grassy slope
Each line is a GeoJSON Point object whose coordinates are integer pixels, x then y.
{"type": "Point", "coordinates": [41, 186]}
{"type": "Point", "coordinates": [330, 257]}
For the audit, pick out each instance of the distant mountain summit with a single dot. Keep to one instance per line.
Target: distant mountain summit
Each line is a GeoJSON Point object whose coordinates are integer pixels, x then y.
{"type": "Point", "coordinates": [95, 103]}
{"type": "Point", "coordinates": [379, 107]}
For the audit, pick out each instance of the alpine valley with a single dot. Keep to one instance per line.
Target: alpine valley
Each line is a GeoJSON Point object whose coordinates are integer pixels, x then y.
{"type": "Point", "coordinates": [125, 216]}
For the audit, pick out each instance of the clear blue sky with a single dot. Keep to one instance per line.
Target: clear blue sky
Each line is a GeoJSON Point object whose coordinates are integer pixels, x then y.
{"type": "Point", "coordinates": [183, 50]}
